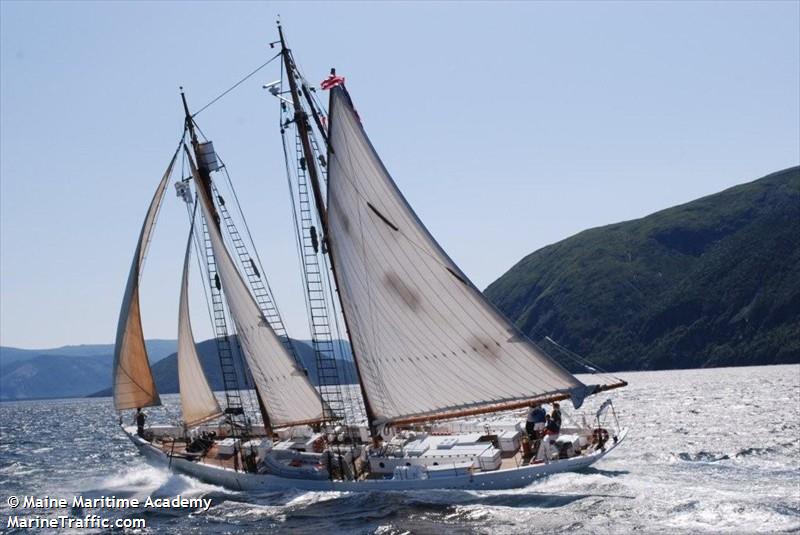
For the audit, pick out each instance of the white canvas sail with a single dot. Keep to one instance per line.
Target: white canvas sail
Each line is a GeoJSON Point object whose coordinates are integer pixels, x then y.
{"type": "Point", "coordinates": [288, 395]}
{"type": "Point", "coordinates": [197, 400]}
{"type": "Point", "coordinates": [426, 340]}
{"type": "Point", "coordinates": [133, 383]}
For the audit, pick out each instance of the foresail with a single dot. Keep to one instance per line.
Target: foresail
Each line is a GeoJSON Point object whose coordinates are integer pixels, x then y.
{"type": "Point", "coordinates": [426, 340]}
{"type": "Point", "coordinates": [133, 383]}
{"type": "Point", "coordinates": [197, 400]}
{"type": "Point", "coordinates": [287, 393]}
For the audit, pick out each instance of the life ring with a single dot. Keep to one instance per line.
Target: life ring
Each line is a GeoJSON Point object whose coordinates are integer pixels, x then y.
{"type": "Point", "coordinates": [318, 445]}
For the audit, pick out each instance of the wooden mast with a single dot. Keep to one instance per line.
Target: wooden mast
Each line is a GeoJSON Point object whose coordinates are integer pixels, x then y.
{"type": "Point", "coordinates": [301, 121]}
{"type": "Point", "coordinates": [202, 171]}
{"type": "Point", "coordinates": [205, 184]}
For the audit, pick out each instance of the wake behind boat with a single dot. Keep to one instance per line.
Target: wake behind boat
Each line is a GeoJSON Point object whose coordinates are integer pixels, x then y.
{"type": "Point", "coordinates": [441, 374]}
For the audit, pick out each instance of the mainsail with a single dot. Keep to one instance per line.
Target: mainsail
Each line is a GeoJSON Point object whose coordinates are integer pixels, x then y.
{"type": "Point", "coordinates": [427, 342]}
{"type": "Point", "coordinates": [289, 397]}
{"type": "Point", "coordinates": [197, 400]}
{"type": "Point", "coordinates": [133, 381]}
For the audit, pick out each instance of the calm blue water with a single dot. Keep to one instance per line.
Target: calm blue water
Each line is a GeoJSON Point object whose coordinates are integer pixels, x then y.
{"type": "Point", "coordinates": [709, 451]}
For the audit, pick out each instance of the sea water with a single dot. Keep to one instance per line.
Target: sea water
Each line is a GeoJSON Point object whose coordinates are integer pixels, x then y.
{"type": "Point", "coordinates": [714, 450]}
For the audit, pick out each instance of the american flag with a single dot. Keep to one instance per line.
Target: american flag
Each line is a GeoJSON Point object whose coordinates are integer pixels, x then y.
{"type": "Point", "coordinates": [331, 82]}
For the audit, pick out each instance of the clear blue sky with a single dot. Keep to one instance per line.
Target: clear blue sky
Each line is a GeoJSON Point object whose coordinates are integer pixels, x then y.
{"type": "Point", "coordinates": [509, 126]}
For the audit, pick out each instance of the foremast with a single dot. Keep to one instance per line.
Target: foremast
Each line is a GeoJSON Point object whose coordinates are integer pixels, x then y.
{"type": "Point", "coordinates": [234, 406]}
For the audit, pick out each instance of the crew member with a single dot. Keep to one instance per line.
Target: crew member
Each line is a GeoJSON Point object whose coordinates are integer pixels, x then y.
{"type": "Point", "coordinates": [534, 421]}
{"type": "Point", "coordinates": [556, 416]}
{"type": "Point", "coordinates": [140, 418]}
{"type": "Point", "coordinates": [550, 426]}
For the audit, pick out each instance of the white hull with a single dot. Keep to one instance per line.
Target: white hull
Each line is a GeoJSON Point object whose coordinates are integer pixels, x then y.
{"type": "Point", "coordinates": [490, 480]}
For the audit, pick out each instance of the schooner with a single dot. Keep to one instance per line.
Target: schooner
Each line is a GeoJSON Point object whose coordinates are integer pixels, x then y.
{"type": "Point", "coordinates": [441, 375]}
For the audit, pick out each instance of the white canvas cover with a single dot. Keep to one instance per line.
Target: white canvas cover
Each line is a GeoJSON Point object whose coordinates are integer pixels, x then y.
{"type": "Point", "coordinates": [133, 383]}
{"type": "Point", "coordinates": [288, 395]}
{"type": "Point", "coordinates": [426, 340]}
{"type": "Point", "coordinates": [197, 400]}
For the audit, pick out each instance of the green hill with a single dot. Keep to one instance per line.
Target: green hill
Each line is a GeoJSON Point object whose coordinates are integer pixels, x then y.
{"type": "Point", "coordinates": [714, 282]}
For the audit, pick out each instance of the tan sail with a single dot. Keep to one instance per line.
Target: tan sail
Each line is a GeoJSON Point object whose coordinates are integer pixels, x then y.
{"type": "Point", "coordinates": [197, 400]}
{"type": "Point", "coordinates": [133, 383]}
{"type": "Point", "coordinates": [427, 342]}
{"type": "Point", "coordinates": [288, 396]}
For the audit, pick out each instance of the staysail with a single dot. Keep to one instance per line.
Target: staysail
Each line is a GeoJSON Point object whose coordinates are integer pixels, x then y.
{"type": "Point", "coordinates": [427, 342]}
{"type": "Point", "coordinates": [133, 381]}
{"type": "Point", "coordinates": [289, 397]}
{"type": "Point", "coordinates": [197, 400]}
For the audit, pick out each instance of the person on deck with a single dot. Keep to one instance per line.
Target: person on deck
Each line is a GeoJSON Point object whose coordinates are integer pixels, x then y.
{"type": "Point", "coordinates": [140, 418]}
{"type": "Point", "coordinates": [551, 428]}
{"type": "Point", "coordinates": [556, 416]}
{"type": "Point", "coordinates": [544, 450]}
{"type": "Point", "coordinates": [535, 421]}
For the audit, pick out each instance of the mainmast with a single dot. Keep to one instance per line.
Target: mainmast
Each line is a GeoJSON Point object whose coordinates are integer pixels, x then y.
{"type": "Point", "coordinates": [303, 130]}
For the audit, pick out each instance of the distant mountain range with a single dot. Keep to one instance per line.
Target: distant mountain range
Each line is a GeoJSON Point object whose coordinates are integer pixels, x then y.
{"type": "Point", "coordinates": [165, 372]}
{"type": "Point", "coordinates": [77, 371]}
{"type": "Point", "coordinates": [66, 371]}
{"type": "Point", "coordinates": [157, 349]}
{"type": "Point", "coordinates": [714, 282]}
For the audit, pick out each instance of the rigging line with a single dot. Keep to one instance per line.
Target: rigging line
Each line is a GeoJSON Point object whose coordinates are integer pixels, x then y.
{"type": "Point", "coordinates": [326, 283]}
{"type": "Point", "coordinates": [237, 84]}
{"type": "Point", "coordinates": [289, 176]}
{"type": "Point", "coordinates": [203, 269]}
{"type": "Point", "coordinates": [582, 360]}
{"type": "Point", "coordinates": [201, 266]}
{"type": "Point", "coordinates": [306, 295]}
{"type": "Point", "coordinates": [298, 233]}
{"type": "Point", "coordinates": [229, 236]}
{"type": "Point", "coordinates": [146, 245]}
{"type": "Point", "coordinates": [348, 375]}
{"type": "Point", "coordinates": [237, 346]}
{"type": "Point", "coordinates": [305, 81]}
{"type": "Point", "coordinates": [255, 254]}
